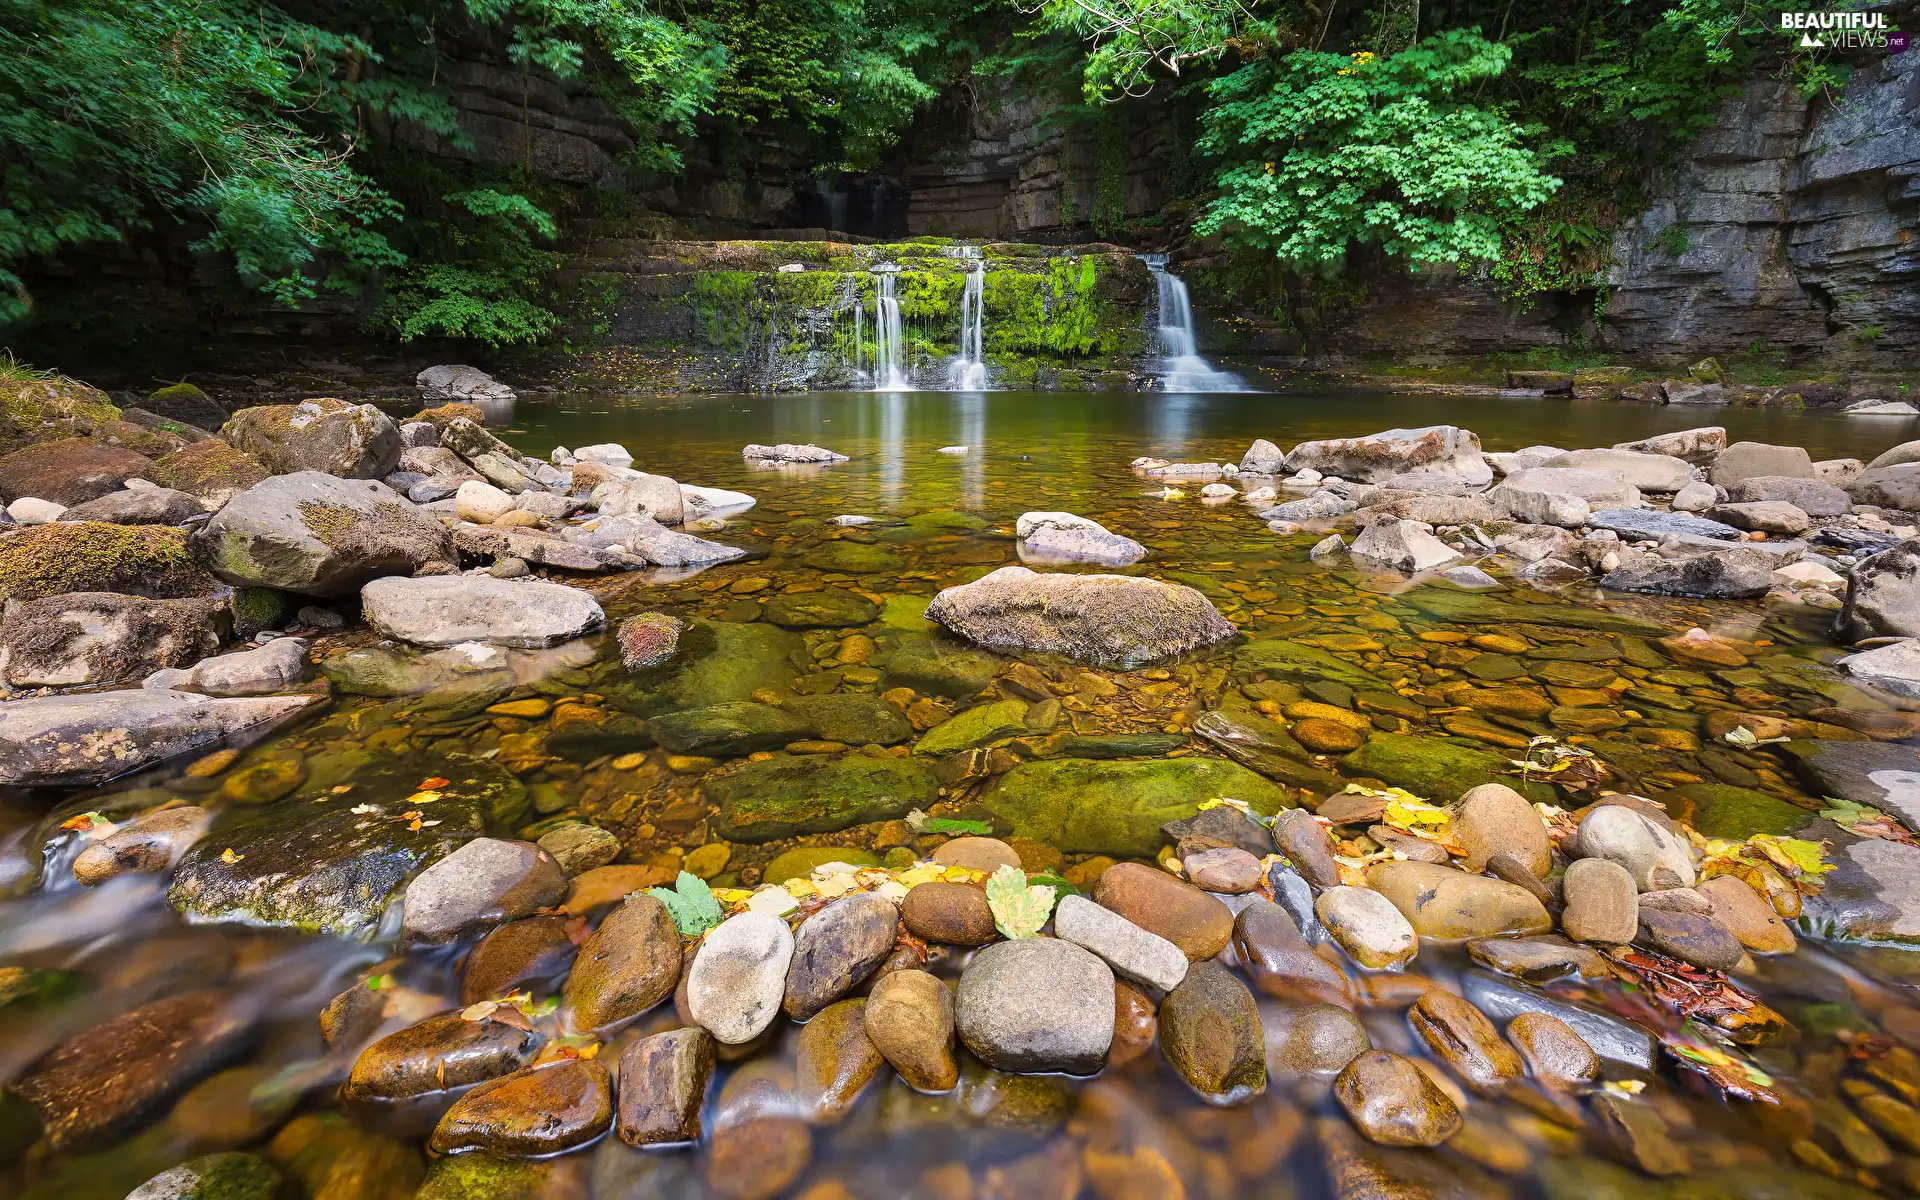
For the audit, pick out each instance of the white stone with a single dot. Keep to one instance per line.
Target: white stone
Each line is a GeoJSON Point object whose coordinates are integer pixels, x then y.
{"type": "Point", "coordinates": [1263, 458]}
{"type": "Point", "coordinates": [1054, 544]}
{"type": "Point", "coordinates": [952, 450]}
{"type": "Point", "coordinates": [700, 501]}
{"type": "Point", "coordinates": [1131, 951]}
{"type": "Point", "coordinates": [1404, 546]}
{"type": "Point", "coordinates": [739, 976]}
{"type": "Point", "coordinates": [445, 610]}
{"type": "Point", "coordinates": [1327, 547]}
{"type": "Point", "coordinates": [1882, 408]}
{"type": "Point", "coordinates": [1808, 572]}
{"type": "Point", "coordinates": [1698, 446]}
{"type": "Point", "coordinates": [1031, 522]}
{"type": "Point", "coordinates": [1893, 668]}
{"type": "Point", "coordinates": [1648, 472]}
{"type": "Point", "coordinates": [1260, 495]}
{"type": "Point", "coordinates": [606, 454]}
{"type": "Point", "coordinates": [1697, 496]}
{"type": "Point", "coordinates": [1521, 460]}
{"type": "Point", "coordinates": [789, 452]}
{"type": "Point", "coordinates": [1535, 506]}
{"type": "Point", "coordinates": [481, 502]}
{"type": "Point", "coordinates": [1395, 451]}
{"type": "Point", "coordinates": [630, 492]}
{"type": "Point", "coordinates": [31, 510]}
{"type": "Point", "coordinates": [278, 666]}
{"type": "Point", "coordinates": [1218, 491]}
{"type": "Point", "coordinates": [1367, 926]}
{"type": "Point", "coordinates": [849, 519]}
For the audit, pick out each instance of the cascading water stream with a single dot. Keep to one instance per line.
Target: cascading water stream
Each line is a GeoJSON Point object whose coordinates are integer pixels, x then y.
{"type": "Point", "coordinates": [968, 370]}
{"type": "Point", "coordinates": [890, 343]}
{"type": "Point", "coordinates": [1181, 367]}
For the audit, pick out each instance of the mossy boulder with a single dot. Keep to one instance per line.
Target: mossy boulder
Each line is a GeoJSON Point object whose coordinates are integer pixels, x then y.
{"type": "Point", "coordinates": [1277, 658]}
{"type": "Point", "coordinates": [142, 433]}
{"type": "Point", "coordinates": [353, 441]}
{"type": "Point", "coordinates": [783, 797]}
{"type": "Point", "coordinates": [851, 718]}
{"type": "Point", "coordinates": [443, 415]}
{"type": "Point", "coordinates": [739, 727]}
{"type": "Point", "coordinates": [906, 612]}
{"type": "Point", "coordinates": [256, 608]}
{"type": "Point", "coordinates": [1438, 769]}
{"type": "Point", "coordinates": [1720, 810]}
{"type": "Point", "coordinates": [187, 404]}
{"type": "Point", "coordinates": [716, 662]}
{"type": "Point", "coordinates": [799, 862]}
{"type": "Point", "coordinates": [210, 471]}
{"type": "Point", "coordinates": [977, 726]}
{"type": "Point", "coordinates": [829, 608]}
{"type": "Point", "coordinates": [319, 535]}
{"type": "Point", "coordinates": [941, 666]}
{"type": "Point", "coordinates": [103, 637]}
{"type": "Point", "coordinates": [485, 1177]}
{"type": "Point", "coordinates": [321, 862]}
{"type": "Point", "coordinates": [35, 410]}
{"type": "Point", "coordinates": [1082, 806]}
{"type": "Point", "coordinates": [855, 558]}
{"type": "Point", "coordinates": [69, 471]}
{"type": "Point", "coordinates": [93, 556]}
{"type": "Point", "coordinates": [230, 1176]}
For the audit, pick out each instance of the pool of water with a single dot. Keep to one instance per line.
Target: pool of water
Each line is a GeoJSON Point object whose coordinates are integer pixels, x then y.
{"type": "Point", "coordinates": [73, 959]}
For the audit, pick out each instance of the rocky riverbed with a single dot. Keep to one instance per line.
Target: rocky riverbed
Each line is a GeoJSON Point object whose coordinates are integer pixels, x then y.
{"type": "Point", "coordinates": [396, 807]}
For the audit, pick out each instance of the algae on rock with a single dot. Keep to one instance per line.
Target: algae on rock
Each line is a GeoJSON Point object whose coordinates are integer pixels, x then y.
{"type": "Point", "coordinates": [1106, 806]}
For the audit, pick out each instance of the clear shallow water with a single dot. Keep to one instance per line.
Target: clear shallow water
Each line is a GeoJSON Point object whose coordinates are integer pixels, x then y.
{"type": "Point", "coordinates": [81, 958]}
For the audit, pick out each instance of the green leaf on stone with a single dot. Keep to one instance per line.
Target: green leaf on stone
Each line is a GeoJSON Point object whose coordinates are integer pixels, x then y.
{"type": "Point", "coordinates": [920, 822]}
{"type": "Point", "coordinates": [1055, 881]}
{"type": "Point", "coordinates": [1019, 909]}
{"type": "Point", "coordinates": [690, 903]}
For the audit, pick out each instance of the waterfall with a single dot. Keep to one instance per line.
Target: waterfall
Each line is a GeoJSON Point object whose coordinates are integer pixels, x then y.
{"type": "Point", "coordinates": [1181, 367]}
{"type": "Point", "coordinates": [859, 327]}
{"type": "Point", "coordinates": [968, 370]}
{"type": "Point", "coordinates": [890, 350]}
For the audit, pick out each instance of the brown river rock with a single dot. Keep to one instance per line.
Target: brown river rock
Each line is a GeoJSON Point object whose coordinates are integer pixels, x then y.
{"type": "Point", "coordinates": [1554, 1053]}
{"type": "Point", "coordinates": [909, 1022]}
{"type": "Point", "coordinates": [113, 1075]}
{"type": "Point", "coordinates": [515, 955]}
{"type": "Point", "coordinates": [441, 1052]}
{"type": "Point", "coordinates": [1136, 1023]}
{"type": "Point", "coordinates": [663, 1083]}
{"type": "Point", "coordinates": [1461, 1036]}
{"type": "Point", "coordinates": [1306, 845]}
{"type": "Point", "coordinates": [1281, 962]}
{"type": "Point", "coordinates": [626, 967]}
{"type": "Point", "coordinates": [955, 913]}
{"type": "Point", "coordinates": [1494, 819]}
{"type": "Point", "coordinates": [835, 949]}
{"type": "Point", "coordinates": [333, 1158]}
{"type": "Point", "coordinates": [833, 1061]}
{"type": "Point", "coordinates": [541, 1110]}
{"type": "Point", "coordinates": [759, 1144]}
{"type": "Point", "coordinates": [1440, 902]}
{"type": "Point", "coordinates": [1311, 1039]}
{"type": "Point", "coordinates": [1210, 1032]}
{"type": "Point", "coordinates": [1157, 902]}
{"type": "Point", "coordinates": [1393, 1102]}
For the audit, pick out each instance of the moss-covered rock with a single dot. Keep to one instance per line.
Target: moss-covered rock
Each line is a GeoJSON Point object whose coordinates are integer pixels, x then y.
{"type": "Point", "coordinates": [353, 441]}
{"type": "Point", "coordinates": [321, 862]}
{"type": "Point", "coordinates": [1438, 769]}
{"type": "Point", "coordinates": [69, 471]}
{"type": "Point", "coordinates": [484, 1177]}
{"type": "Point", "coordinates": [231, 1176]}
{"type": "Point", "coordinates": [941, 666]}
{"type": "Point", "coordinates": [187, 404]}
{"type": "Point", "coordinates": [1081, 806]}
{"type": "Point", "coordinates": [443, 415]}
{"type": "Point", "coordinates": [1277, 658]}
{"type": "Point", "coordinates": [799, 862]}
{"type": "Point", "coordinates": [1720, 810]}
{"type": "Point", "coordinates": [101, 637]}
{"type": "Point", "coordinates": [740, 727]}
{"type": "Point", "coordinates": [906, 612]}
{"type": "Point", "coordinates": [829, 608]}
{"type": "Point", "coordinates": [36, 410]}
{"type": "Point", "coordinates": [256, 608]}
{"type": "Point", "coordinates": [782, 797]}
{"type": "Point", "coordinates": [93, 556]}
{"type": "Point", "coordinates": [209, 471]}
{"type": "Point", "coordinates": [332, 1158]}
{"type": "Point", "coordinates": [977, 726]}
{"type": "Point", "coordinates": [717, 662]}
{"type": "Point", "coordinates": [851, 718]}
{"type": "Point", "coordinates": [1477, 608]}
{"type": "Point", "coordinates": [855, 558]}
{"type": "Point", "coordinates": [319, 535]}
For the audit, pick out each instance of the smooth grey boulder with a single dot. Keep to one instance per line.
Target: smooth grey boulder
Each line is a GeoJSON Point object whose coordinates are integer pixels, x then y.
{"type": "Point", "coordinates": [459, 383]}
{"type": "Point", "coordinates": [1883, 595]}
{"type": "Point", "coordinates": [1892, 668]}
{"type": "Point", "coordinates": [739, 975]}
{"type": "Point", "coordinates": [1697, 446]}
{"type": "Point", "coordinates": [1663, 473]}
{"type": "Point", "coordinates": [1036, 1004]}
{"type": "Point", "coordinates": [629, 492]}
{"type": "Point", "coordinates": [1317, 507]}
{"type": "Point", "coordinates": [1724, 571]}
{"type": "Point", "coordinates": [1134, 953]}
{"type": "Point", "coordinates": [1646, 524]}
{"type": "Point", "coordinates": [789, 452]}
{"type": "Point", "coordinates": [1765, 516]}
{"type": "Point", "coordinates": [1263, 458]}
{"type": "Point", "coordinates": [446, 610]}
{"type": "Point", "coordinates": [1403, 546]}
{"type": "Point", "coordinates": [1055, 544]}
{"type": "Point", "coordinates": [486, 882]}
{"type": "Point", "coordinates": [1115, 621]}
{"type": "Point", "coordinates": [74, 740]}
{"type": "Point", "coordinates": [1815, 497]}
{"type": "Point", "coordinates": [1394, 452]}
{"type": "Point", "coordinates": [1896, 486]}
{"type": "Point", "coordinates": [312, 533]}
{"type": "Point", "coordinates": [275, 667]}
{"type": "Point", "coordinates": [1745, 460]}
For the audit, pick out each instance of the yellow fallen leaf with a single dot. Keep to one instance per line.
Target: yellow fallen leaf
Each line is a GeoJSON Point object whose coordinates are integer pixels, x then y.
{"type": "Point", "coordinates": [228, 856]}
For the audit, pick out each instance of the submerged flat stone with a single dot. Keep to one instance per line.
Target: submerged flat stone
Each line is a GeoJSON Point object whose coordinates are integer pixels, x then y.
{"type": "Point", "coordinates": [1082, 806]}
{"type": "Point", "coordinates": [781, 797]}
{"type": "Point", "coordinates": [1476, 609]}
{"type": "Point", "coordinates": [75, 740]}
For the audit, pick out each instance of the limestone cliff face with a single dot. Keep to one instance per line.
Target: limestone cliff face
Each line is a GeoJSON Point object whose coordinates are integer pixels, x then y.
{"type": "Point", "coordinates": [1790, 222]}
{"type": "Point", "coordinates": [517, 118]}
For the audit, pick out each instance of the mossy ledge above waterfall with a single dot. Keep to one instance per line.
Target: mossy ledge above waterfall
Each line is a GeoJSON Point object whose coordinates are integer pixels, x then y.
{"type": "Point", "coordinates": [789, 316]}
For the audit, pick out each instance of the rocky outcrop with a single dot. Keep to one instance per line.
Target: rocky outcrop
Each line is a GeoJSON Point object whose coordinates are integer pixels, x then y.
{"type": "Point", "coordinates": [320, 535]}
{"type": "Point", "coordinates": [76, 740]}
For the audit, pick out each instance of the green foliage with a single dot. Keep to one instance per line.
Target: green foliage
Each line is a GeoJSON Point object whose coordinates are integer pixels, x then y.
{"type": "Point", "coordinates": [1127, 42]}
{"type": "Point", "coordinates": [690, 903]}
{"type": "Point", "coordinates": [487, 281]}
{"type": "Point", "coordinates": [1328, 150]}
{"type": "Point", "coordinates": [12, 370]}
{"type": "Point", "coordinates": [1869, 333]}
{"type": "Point", "coordinates": [1058, 312]}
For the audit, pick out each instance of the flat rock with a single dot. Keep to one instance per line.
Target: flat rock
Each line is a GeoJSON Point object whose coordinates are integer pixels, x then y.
{"type": "Point", "coordinates": [739, 975]}
{"type": "Point", "coordinates": [138, 506]}
{"type": "Point", "coordinates": [1367, 926]}
{"type": "Point", "coordinates": [1744, 460]}
{"type": "Point", "coordinates": [1646, 524]}
{"type": "Point", "coordinates": [101, 637]}
{"type": "Point", "coordinates": [69, 471]}
{"type": "Point", "coordinates": [790, 452]}
{"type": "Point", "coordinates": [1872, 894]}
{"type": "Point", "coordinates": [1537, 959]}
{"type": "Point", "coordinates": [1815, 497]}
{"type": "Point", "coordinates": [485, 882]}
{"type": "Point", "coordinates": [1133, 952]}
{"type": "Point", "coordinates": [1766, 516]}
{"type": "Point", "coordinates": [538, 1111]}
{"type": "Point", "coordinates": [76, 740]}
{"type": "Point", "coordinates": [1393, 1102]}
{"type": "Point", "coordinates": [1444, 903]}
{"type": "Point", "coordinates": [1648, 472]}
{"type": "Point", "coordinates": [1884, 775]}
{"type": "Point", "coordinates": [279, 666]}
{"type": "Point", "coordinates": [781, 797]}
{"type": "Point", "coordinates": [1051, 544]}
{"type": "Point", "coordinates": [1114, 621]}
{"type": "Point", "coordinates": [1461, 1036]}
{"type": "Point", "coordinates": [1392, 452]}
{"type": "Point", "coordinates": [835, 949]}
{"type": "Point", "coordinates": [663, 1084]}
{"type": "Point", "coordinates": [1036, 1004]}
{"type": "Point", "coordinates": [1699, 940]}
{"type": "Point", "coordinates": [448, 610]}
{"type": "Point", "coordinates": [1612, 1038]}
{"type": "Point", "coordinates": [1283, 965]}
{"type": "Point", "coordinates": [1697, 446]}
{"type": "Point", "coordinates": [439, 1054]}
{"type": "Point", "coordinates": [1082, 806]}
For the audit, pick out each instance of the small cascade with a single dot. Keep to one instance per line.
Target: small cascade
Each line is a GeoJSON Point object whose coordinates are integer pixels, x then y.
{"type": "Point", "coordinates": [968, 370]}
{"type": "Point", "coordinates": [890, 342]}
{"type": "Point", "coordinates": [1181, 367]}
